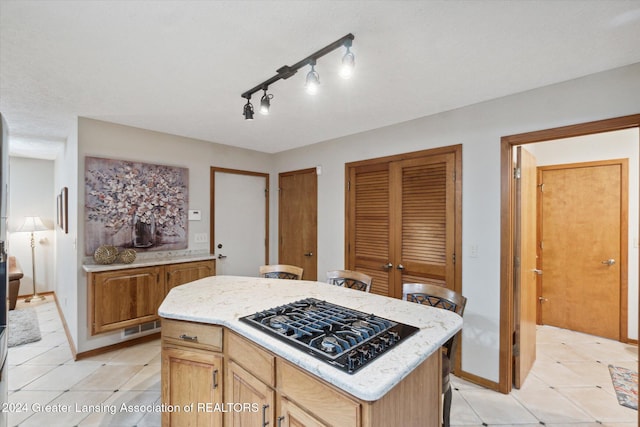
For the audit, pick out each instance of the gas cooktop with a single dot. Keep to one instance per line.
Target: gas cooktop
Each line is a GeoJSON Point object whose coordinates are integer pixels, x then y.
{"type": "Point", "coordinates": [345, 338]}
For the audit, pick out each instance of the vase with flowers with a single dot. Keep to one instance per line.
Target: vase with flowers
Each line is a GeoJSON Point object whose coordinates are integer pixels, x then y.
{"type": "Point", "coordinates": [143, 231]}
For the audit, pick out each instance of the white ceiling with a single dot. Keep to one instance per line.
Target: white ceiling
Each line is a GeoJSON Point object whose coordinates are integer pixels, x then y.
{"type": "Point", "coordinates": [180, 66]}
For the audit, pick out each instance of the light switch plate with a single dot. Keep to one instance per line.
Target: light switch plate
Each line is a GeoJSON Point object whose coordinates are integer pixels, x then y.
{"type": "Point", "coordinates": [195, 215]}
{"type": "Point", "coordinates": [201, 237]}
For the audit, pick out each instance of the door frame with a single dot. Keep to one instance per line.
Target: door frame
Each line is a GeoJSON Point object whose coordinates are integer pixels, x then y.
{"type": "Point", "coordinates": [212, 205]}
{"type": "Point", "coordinates": [507, 221]}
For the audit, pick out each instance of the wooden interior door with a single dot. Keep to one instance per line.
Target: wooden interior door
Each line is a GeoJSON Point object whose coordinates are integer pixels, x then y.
{"type": "Point", "coordinates": [526, 271]}
{"type": "Point", "coordinates": [298, 221]}
{"type": "Point", "coordinates": [584, 260]}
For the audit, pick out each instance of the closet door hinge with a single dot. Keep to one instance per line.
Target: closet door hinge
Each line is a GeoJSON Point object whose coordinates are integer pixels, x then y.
{"type": "Point", "coordinates": [517, 173]}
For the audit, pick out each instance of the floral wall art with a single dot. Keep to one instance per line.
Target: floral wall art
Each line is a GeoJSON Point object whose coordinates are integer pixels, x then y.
{"type": "Point", "coordinates": [135, 205]}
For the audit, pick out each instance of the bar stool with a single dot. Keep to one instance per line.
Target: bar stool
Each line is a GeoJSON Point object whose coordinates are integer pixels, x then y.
{"type": "Point", "coordinates": [437, 296]}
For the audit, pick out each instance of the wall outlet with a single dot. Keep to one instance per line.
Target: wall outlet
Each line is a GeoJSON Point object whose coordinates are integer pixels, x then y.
{"type": "Point", "coordinates": [201, 237]}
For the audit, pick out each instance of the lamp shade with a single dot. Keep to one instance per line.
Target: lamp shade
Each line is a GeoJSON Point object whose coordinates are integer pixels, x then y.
{"type": "Point", "coordinates": [32, 223]}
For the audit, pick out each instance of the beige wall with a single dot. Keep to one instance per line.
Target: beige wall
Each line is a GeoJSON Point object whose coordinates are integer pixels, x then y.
{"type": "Point", "coordinates": [32, 193]}
{"type": "Point", "coordinates": [102, 139]}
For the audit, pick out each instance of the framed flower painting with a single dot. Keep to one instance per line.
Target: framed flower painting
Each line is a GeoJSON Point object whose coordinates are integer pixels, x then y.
{"type": "Point", "coordinates": [135, 205]}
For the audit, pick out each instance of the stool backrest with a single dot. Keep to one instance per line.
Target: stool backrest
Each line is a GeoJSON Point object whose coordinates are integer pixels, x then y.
{"type": "Point", "coordinates": [281, 271]}
{"type": "Point", "coordinates": [350, 279]}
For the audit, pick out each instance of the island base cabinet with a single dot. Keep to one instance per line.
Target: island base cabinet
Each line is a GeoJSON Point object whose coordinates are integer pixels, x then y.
{"type": "Point", "coordinates": [242, 387]}
{"type": "Point", "coordinates": [293, 416]}
{"type": "Point", "coordinates": [415, 401]}
{"type": "Point", "coordinates": [316, 397]}
{"type": "Point", "coordinates": [191, 387]}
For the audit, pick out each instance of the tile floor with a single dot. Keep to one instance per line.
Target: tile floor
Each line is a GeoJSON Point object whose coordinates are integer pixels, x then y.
{"type": "Point", "coordinates": [568, 386]}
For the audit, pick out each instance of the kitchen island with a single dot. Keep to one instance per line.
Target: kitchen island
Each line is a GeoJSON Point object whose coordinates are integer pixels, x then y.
{"type": "Point", "coordinates": [259, 377]}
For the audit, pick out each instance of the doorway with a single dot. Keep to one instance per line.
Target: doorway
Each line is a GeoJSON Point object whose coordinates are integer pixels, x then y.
{"type": "Point", "coordinates": [508, 342]}
{"type": "Point", "coordinates": [239, 221]}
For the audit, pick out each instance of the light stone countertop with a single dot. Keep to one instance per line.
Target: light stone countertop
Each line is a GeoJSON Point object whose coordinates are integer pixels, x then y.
{"type": "Point", "coordinates": [222, 300]}
{"type": "Point", "coordinates": [148, 261]}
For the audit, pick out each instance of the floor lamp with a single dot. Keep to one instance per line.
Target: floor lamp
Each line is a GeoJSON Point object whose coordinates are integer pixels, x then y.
{"type": "Point", "coordinates": [31, 225]}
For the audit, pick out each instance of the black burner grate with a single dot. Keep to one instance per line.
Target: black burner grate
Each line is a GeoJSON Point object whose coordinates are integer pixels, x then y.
{"type": "Point", "coordinates": [346, 338]}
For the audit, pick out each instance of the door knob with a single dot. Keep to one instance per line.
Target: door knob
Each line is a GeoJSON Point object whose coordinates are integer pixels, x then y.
{"type": "Point", "coordinates": [220, 256]}
{"type": "Point", "coordinates": [309, 254]}
{"type": "Point", "coordinates": [542, 299]}
{"type": "Point", "coordinates": [538, 272]}
{"type": "Point", "coordinates": [609, 262]}
{"type": "Point", "coordinates": [400, 267]}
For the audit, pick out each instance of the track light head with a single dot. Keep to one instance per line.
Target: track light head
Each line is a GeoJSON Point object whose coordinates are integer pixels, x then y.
{"type": "Point", "coordinates": [265, 102]}
{"type": "Point", "coordinates": [313, 80]}
{"type": "Point", "coordinates": [348, 63]}
{"type": "Point", "coordinates": [248, 110]}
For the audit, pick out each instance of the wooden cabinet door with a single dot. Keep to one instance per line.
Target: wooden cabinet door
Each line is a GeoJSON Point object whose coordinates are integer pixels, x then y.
{"type": "Point", "coordinates": [241, 386]}
{"type": "Point", "coordinates": [179, 274]}
{"type": "Point", "coordinates": [294, 416]}
{"type": "Point", "coordinates": [191, 377]}
{"type": "Point", "coordinates": [124, 298]}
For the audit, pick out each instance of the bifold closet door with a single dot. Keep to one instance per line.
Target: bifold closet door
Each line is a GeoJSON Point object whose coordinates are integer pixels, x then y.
{"type": "Point", "coordinates": [401, 222]}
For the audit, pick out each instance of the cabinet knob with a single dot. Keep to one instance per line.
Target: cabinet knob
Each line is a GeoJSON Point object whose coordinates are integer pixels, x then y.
{"type": "Point", "coordinates": [280, 420]}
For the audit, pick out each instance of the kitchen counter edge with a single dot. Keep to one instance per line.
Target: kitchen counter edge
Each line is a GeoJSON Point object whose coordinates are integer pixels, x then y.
{"type": "Point", "coordinates": [146, 262]}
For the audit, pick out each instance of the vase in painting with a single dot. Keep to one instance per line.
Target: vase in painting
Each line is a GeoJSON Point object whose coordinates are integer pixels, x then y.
{"type": "Point", "coordinates": [144, 230]}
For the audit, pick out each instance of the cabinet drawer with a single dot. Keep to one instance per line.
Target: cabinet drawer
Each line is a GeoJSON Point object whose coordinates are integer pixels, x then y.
{"type": "Point", "coordinates": [324, 402]}
{"type": "Point", "coordinates": [190, 334]}
{"type": "Point", "coordinates": [251, 357]}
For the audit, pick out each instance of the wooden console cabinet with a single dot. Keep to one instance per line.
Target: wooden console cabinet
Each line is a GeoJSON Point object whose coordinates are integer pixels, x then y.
{"type": "Point", "coordinates": [127, 297]}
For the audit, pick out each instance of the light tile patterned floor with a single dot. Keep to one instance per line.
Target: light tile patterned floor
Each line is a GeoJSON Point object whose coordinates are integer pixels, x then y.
{"type": "Point", "coordinates": [568, 386]}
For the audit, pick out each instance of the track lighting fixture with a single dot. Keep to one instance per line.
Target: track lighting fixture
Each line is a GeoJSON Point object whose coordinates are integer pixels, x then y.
{"type": "Point", "coordinates": [265, 102]}
{"type": "Point", "coordinates": [248, 110]}
{"type": "Point", "coordinates": [312, 80]}
{"type": "Point", "coordinates": [348, 62]}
